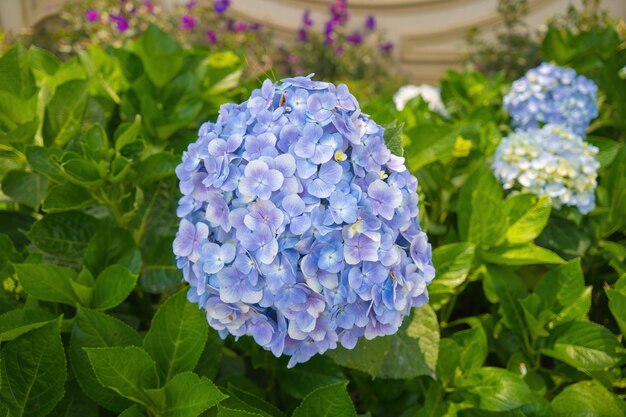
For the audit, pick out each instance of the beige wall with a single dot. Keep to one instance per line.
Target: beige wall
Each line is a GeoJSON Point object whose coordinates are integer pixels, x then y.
{"type": "Point", "coordinates": [428, 33]}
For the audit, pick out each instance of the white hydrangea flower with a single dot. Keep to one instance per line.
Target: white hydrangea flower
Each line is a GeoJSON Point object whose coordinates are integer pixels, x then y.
{"type": "Point", "coordinates": [430, 94]}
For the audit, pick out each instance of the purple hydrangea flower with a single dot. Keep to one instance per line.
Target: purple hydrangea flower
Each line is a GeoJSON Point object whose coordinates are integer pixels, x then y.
{"type": "Point", "coordinates": [211, 36]}
{"type": "Point", "coordinates": [306, 18]}
{"type": "Point", "coordinates": [355, 38]}
{"type": "Point", "coordinates": [298, 226]}
{"type": "Point", "coordinates": [370, 22]}
{"type": "Point", "coordinates": [120, 22]}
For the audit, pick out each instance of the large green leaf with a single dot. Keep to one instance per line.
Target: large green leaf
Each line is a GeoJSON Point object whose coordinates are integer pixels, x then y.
{"type": "Point", "coordinates": [33, 371]}
{"type": "Point", "coordinates": [112, 287]}
{"type": "Point", "coordinates": [585, 346]}
{"type": "Point", "coordinates": [129, 371]}
{"type": "Point", "coordinates": [497, 389]}
{"type": "Point", "coordinates": [25, 187]}
{"type": "Point", "coordinates": [64, 113]}
{"type": "Point", "coordinates": [527, 215]}
{"type": "Point", "coordinates": [109, 246]}
{"type": "Point", "coordinates": [303, 378]}
{"type": "Point", "coordinates": [411, 352]}
{"type": "Point", "coordinates": [393, 137]}
{"type": "Point", "coordinates": [428, 143]}
{"type": "Point", "coordinates": [66, 197]}
{"type": "Point", "coordinates": [15, 323]}
{"type": "Point", "coordinates": [525, 254]}
{"type": "Point", "coordinates": [186, 395]}
{"type": "Point", "coordinates": [452, 263]}
{"type": "Point", "coordinates": [48, 282]}
{"type": "Point", "coordinates": [64, 235]}
{"type": "Point", "coordinates": [156, 167]}
{"type": "Point", "coordinates": [75, 403]}
{"type": "Point", "coordinates": [161, 56]}
{"type": "Point", "coordinates": [177, 335]}
{"type": "Point", "coordinates": [561, 291]}
{"type": "Point", "coordinates": [587, 398]}
{"type": "Point", "coordinates": [15, 73]}
{"type": "Point", "coordinates": [502, 285]}
{"type": "Point", "coordinates": [328, 401]}
{"type": "Point", "coordinates": [93, 329]}
{"type": "Point", "coordinates": [617, 302]}
{"type": "Point", "coordinates": [482, 179]}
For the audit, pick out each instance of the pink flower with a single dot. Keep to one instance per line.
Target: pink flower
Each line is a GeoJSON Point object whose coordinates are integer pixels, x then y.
{"type": "Point", "coordinates": [92, 15]}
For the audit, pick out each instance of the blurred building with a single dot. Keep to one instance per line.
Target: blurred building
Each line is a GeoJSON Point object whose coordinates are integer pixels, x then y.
{"type": "Point", "coordinates": [428, 34]}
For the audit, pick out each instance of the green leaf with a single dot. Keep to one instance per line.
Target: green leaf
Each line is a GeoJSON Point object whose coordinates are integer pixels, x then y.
{"type": "Point", "coordinates": [487, 223]}
{"type": "Point", "coordinates": [617, 302]}
{"type": "Point", "coordinates": [64, 235]}
{"type": "Point", "coordinates": [109, 246]}
{"type": "Point", "coordinates": [230, 412]}
{"type": "Point", "coordinates": [15, 323]}
{"type": "Point", "coordinates": [83, 172]}
{"type": "Point", "coordinates": [25, 187]}
{"type": "Point", "coordinates": [528, 254]}
{"type": "Point", "coordinates": [528, 215]}
{"type": "Point", "coordinates": [328, 401]}
{"type": "Point", "coordinates": [393, 137]}
{"type": "Point", "coordinates": [481, 179]}
{"type": "Point", "coordinates": [497, 389]}
{"type": "Point", "coordinates": [303, 378]}
{"type": "Point", "coordinates": [46, 162]}
{"type": "Point", "coordinates": [15, 74]}
{"type": "Point", "coordinates": [156, 167]}
{"type": "Point", "coordinates": [452, 263]}
{"type": "Point", "coordinates": [129, 371]}
{"type": "Point", "coordinates": [156, 279]}
{"type": "Point", "coordinates": [64, 113]}
{"type": "Point", "coordinates": [587, 398]}
{"type": "Point", "coordinates": [585, 346]}
{"type": "Point", "coordinates": [411, 352]}
{"type": "Point", "coordinates": [94, 329]}
{"type": "Point", "coordinates": [33, 372]}
{"type": "Point", "coordinates": [608, 149]}
{"type": "Point", "coordinates": [186, 395]}
{"type": "Point", "coordinates": [473, 348]}
{"type": "Point", "coordinates": [75, 403]}
{"type": "Point", "coordinates": [428, 143]}
{"type": "Point", "coordinates": [161, 56]}
{"type": "Point", "coordinates": [209, 363]}
{"type": "Point", "coordinates": [127, 133]}
{"type": "Point", "coordinates": [48, 282]}
{"type": "Point", "coordinates": [66, 197]}
{"type": "Point", "coordinates": [255, 401]}
{"type": "Point", "coordinates": [112, 287]}
{"type": "Point", "coordinates": [133, 411]}
{"type": "Point", "coordinates": [562, 289]}
{"type": "Point", "coordinates": [177, 335]}
{"type": "Point", "coordinates": [502, 285]}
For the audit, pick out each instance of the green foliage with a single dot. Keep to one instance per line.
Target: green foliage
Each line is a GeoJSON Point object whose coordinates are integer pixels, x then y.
{"type": "Point", "coordinates": [526, 313]}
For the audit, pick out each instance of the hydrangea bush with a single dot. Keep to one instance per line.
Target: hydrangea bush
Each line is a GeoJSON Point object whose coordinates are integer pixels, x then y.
{"type": "Point", "coordinates": [298, 225]}
{"type": "Point", "coordinates": [552, 94]}
{"type": "Point", "coordinates": [549, 161]}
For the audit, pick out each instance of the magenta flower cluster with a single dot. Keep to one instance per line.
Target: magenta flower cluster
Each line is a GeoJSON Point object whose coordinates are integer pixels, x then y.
{"type": "Point", "coordinates": [298, 226]}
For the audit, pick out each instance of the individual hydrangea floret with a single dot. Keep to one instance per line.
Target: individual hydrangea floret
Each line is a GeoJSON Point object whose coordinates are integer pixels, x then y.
{"type": "Point", "coordinates": [298, 226]}
{"type": "Point", "coordinates": [552, 94]}
{"type": "Point", "coordinates": [430, 94]}
{"type": "Point", "coordinates": [549, 161]}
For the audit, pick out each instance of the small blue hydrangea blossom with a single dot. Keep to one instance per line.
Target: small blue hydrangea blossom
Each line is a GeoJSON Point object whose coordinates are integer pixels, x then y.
{"type": "Point", "coordinates": [298, 226]}
{"type": "Point", "coordinates": [552, 94]}
{"type": "Point", "coordinates": [549, 161]}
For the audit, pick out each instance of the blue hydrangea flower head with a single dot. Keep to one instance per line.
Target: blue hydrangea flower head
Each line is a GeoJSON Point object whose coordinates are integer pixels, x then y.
{"type": "Point", "coordinates": [552, 94]}
{"type": "Point", "coordinates": [298, 226]}
{"type": "Point", "coordinates": [549, 161]}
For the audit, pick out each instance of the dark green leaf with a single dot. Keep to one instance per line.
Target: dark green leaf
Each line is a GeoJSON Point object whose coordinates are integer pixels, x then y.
{"type": "Point", "coordinates": [186, 395]}
{"type": "Point", "coordinates": [109, 246]}
{"type": "Point", "coordinates": [561, 290]}
{"type": "Point", "coordinates": [64, 235]}
{"type": "Point", "coordinates": [75, 403]}
{"type": "Point", "coordinates": [93, 329]}
{"type": "Point", "coordinates": [157, 279]}
{"type": "Point", "coordinates": [15, 323]}
{"type": "Point", "coordinates": [112, 287]}
{"type": "Point", "coordinates": [587, 398]}
{"type": "Point", "coordinates": [209, 363]}
{"type": "Point", "coordinates": [585, 346]}
{"type": "Point", "coordinates": [503, 286]}
{"type": "Point", "coordinates": [129, 371]}
{"type": "Point", "coordinates": [156, 167]}
{"type": "Point", "coordinates": [452, 263]}
{"type": "Point", "coordinates": [25, 187]}
{"type": "Point", "coordinates": [66, 197]}
{"type": "Point", "coordinates": [525, 254]}
{"type": "Point", "coordinates": [617, 302]}
{"type": "Point", "coordinates": [177, 335]}
{"type": "Point", "coordinates": [48, 282]}
{"type": "Point", "coordinates": [393, 137]}
{"type": "Point", "coordinates": [64, 113]}
{"type": "Point", "coordinates": [328, 401]}
{"type": "Point", "coordinates": [33, 372]}
{"type": "Point", "coordinates": [317, 372]}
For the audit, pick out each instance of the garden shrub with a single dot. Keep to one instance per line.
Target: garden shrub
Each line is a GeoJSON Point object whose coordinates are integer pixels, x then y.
{"type": "Point", "coordinates": [526, 311]}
